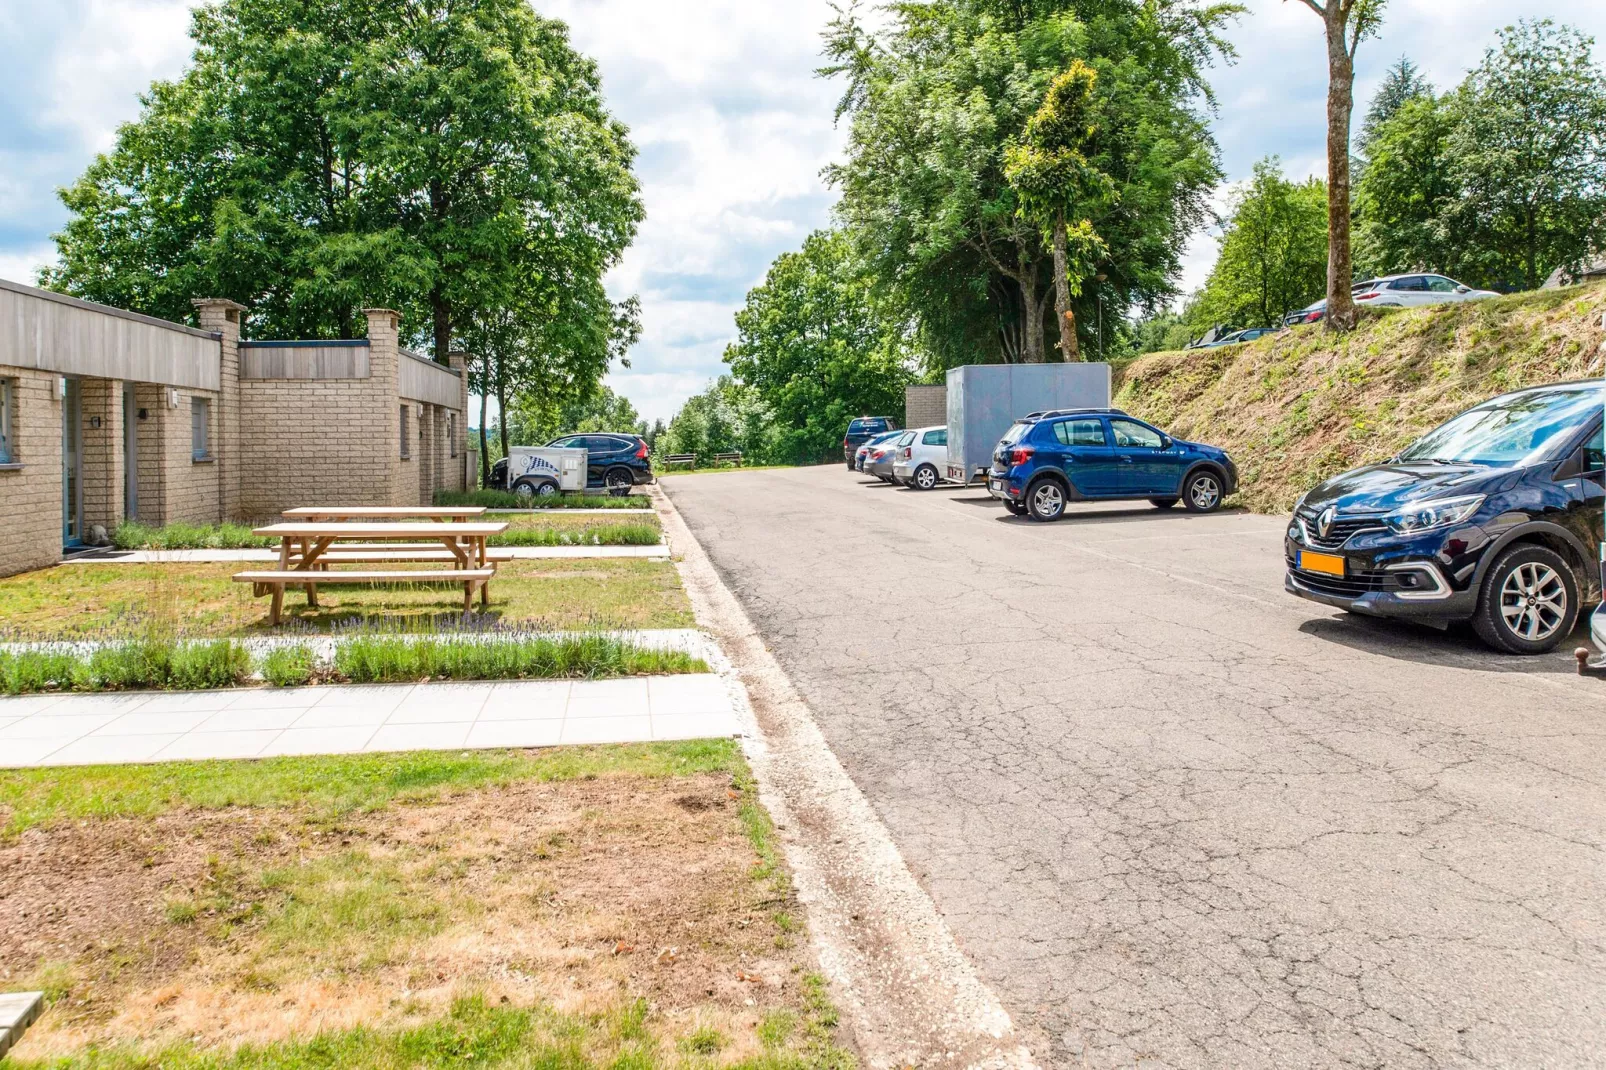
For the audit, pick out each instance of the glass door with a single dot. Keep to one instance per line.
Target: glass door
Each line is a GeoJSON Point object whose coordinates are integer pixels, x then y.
{"type": "Point", "coordinates": [130, 454]}
{"type": "Point", "coordinates": [72, 484]}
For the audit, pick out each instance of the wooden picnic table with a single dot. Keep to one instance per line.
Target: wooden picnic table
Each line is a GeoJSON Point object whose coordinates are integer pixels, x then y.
{"type": "Point", "coordinates": [303, 544]}
{"type": "Point", "coordinates": [382, 512]}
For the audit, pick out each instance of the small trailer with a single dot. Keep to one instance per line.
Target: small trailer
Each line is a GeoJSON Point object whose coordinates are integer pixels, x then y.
{"type": "Point", "coordinates": [984, 399]}
{"type": "Point", "coordinates": [541, 471]}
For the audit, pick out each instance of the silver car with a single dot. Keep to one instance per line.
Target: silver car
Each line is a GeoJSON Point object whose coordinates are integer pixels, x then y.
{"type": "Point", "coordinates": [879, 462]}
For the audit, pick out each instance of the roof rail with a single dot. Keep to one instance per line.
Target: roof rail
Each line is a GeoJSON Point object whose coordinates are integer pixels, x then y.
{"type": "Point", "coordinates": [1046, 413]}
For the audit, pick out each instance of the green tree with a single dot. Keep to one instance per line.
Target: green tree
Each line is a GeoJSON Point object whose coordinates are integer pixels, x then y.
{"type": "Point", "coordinates": [1055, 184]}
{"type": "Point", "coordinates": [322, 155]}
{"type": "Point", "coordinates": [1273, 251]}
{"type": "Point", "coordinates": [1405, 190]}
{"type": "Point", "coordinates": [1346, 24]}
{"type": "Point", "coordinates": [935, 102]}
{"type": "Point", "coordinates": [728, 417]}
{"type": "Point", "coordinates": [1403, 84]}
{"type": "Point", "coordinates": [819, 347]}
{"type": "Point", "coordinates": [1527, 150]}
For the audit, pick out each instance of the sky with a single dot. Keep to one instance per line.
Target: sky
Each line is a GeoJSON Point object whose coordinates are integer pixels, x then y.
{"type": "Point", "coordinates": [732, 124]}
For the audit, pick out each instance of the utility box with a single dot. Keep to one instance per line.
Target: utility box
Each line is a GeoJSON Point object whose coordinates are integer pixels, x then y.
{"type": "Point", "coordinates": [543, 470]}
{"type": "Point", "coordinates": [984, 399]}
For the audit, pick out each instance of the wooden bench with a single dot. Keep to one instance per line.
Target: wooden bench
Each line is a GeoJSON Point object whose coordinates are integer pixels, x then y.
{"type": "Point", "coordinates": [682, 458]}
{"type": "Point", "coordinates": [394, 551]}
{"type": "Point", "coordinates": [734, 458]}
{"type": "Point", "coordinates": [274, 583]}
{"type": "Point", "coordinates": [384, 512]}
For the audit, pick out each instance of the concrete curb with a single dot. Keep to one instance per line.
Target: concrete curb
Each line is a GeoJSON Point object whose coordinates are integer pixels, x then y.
{"type": "Point", "coordinates": [907, 993]}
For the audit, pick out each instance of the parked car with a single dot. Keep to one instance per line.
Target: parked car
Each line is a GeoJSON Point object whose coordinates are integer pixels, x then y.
{"type": "Point", "coordinates": [862, 454]}
{"type": "Point", "coordinates": [1314, 312]}
{"type": "Point", "coordinates": [862, 429]}
{"type": "Point", "coordinates": [1213, 336]}
{"type": "Point", "coordinates": [613, 461]}
{"type": "Point", "coordinates": [1239, 336]}
{"type": "Point", "coordinates": [879, 461]}
{"type": "Point", "coordinates": [920, 464]}
{"type": "Point", "coordinates": [1411, 291]}
{"type": "Point", "coordinates": [1494, 517]}
{"type": "Point", "coordinates": [1044, 461]}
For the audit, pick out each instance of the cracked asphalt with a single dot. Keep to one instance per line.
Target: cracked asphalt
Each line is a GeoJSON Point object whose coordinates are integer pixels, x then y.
{"type": "Point", "coordinates": [1176, 817]}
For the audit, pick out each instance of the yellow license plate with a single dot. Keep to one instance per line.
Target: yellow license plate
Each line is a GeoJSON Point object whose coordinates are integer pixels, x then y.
{"type": "Point", "coordinates": [1332, 564]}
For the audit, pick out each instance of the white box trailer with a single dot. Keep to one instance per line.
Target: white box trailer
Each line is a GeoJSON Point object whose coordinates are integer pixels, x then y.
{"type": "Point", "coordinates": [984, 399]}
{"type": "Point", "coordinates": [539, 471]}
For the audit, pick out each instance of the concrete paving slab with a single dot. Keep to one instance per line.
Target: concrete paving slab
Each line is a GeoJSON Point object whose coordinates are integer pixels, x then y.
{"type": "Point", "coordinates": [18, 1010]}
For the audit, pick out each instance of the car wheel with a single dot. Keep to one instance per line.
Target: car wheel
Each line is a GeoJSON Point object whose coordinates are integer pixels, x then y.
{"type": "Point", "coordinates": [1203, 492]}
{"type": "Point", "coordinates": [925, 477]}
{"type": "Point", "coordinates": [618, 481]}
{"type": "Point", "coordinates": [1162, 503]}
{"type": "Point", "coordinates": [1046, 500]}
{"type": "Point", "coordinates": [524, 488]}
{"type": "Point", "coordinates": [547, 489]}
{"type": "Point", "coordinates": [1528, 603]}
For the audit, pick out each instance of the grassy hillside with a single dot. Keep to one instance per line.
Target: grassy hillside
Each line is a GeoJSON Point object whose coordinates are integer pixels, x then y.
{"type": "Point", "coordinates": [1296, 407]}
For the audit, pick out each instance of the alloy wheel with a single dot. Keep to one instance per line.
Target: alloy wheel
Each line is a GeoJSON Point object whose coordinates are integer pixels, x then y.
{"type": "Point", "coordinates": [1204, 492]}
{"type": "Point", "coordinates": [1048, 500]}
{"type": "Point", "coordinates": [1533, 601]}
{"type": "Point", "coordinates": [926, 478]}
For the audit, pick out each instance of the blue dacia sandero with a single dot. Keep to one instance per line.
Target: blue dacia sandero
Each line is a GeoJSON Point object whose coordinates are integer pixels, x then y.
{"type": "Point", "coordinates": [1493, 517]}
{"type": "Point", "coordinates": [1050, 458]}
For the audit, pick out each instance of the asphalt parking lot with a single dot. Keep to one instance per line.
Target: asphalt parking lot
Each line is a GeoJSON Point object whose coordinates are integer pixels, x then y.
{"type": "Point", "coordinates": [1175, 816]}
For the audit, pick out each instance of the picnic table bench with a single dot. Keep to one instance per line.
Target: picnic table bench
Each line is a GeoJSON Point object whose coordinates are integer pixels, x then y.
{"type": "Point", "coordinates": [383, 512]}
{"type": "Point", "coordinates": [305, 555]}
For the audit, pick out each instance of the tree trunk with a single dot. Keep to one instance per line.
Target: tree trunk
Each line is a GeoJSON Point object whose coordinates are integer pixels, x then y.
{"type": "Point", "coordinates": [1032, 316]}
{"type": "Point", "coordinates": [1064, 315]}
{"type": "Point", "coordinates": [441, 313]}
{"type": "Point", "coordinates": [501, 412]}
{"type": "Point", "coordinates": [485, 443]}
{"type": "Point", "coordinates": [1341, 314]}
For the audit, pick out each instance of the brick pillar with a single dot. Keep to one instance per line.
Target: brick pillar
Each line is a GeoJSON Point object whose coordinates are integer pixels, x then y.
{"type": "Point", "coordinates": [460, 477]}
{"type": "Point", "coordinates": [384, 371]}
{"type": "Point", "coordinates": [222, 317]}
{"type": "Point", "coordinates": [101, 412]}
{"type": "Point", "coordinates": [426, 454]}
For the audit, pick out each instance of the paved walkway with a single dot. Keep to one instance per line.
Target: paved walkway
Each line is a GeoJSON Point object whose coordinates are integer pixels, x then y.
{"type": "Point", "coordinates": [42, 730]}
{"type": "Point", "coordinates": [518, 552]}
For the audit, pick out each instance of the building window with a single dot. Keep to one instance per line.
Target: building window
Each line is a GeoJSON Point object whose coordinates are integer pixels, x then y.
{"type": "Point", "coordinates": [200, 419]}
{"type": "Point", "coordinates": [8, 436]}
{"type": "Point", "coordinates": [406, 431]}
{"type": "Point", "coordinates": [451, 432]}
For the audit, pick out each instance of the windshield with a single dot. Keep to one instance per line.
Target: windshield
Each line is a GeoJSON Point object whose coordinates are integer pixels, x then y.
{"type": "Point", "coordinates": [1508, 431]}
{"type": "Point", "coordinates": [1013, 435]}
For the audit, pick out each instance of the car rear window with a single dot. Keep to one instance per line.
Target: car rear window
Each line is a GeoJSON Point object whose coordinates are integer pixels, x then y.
{"type": "Point", "coordinates": [860, 427]}
{"type": "Point", "coordinates": [1013, 435]}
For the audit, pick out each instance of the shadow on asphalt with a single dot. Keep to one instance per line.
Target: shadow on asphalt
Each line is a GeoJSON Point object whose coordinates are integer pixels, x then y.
{"type": "Point", "coordinates": [1458, 647]}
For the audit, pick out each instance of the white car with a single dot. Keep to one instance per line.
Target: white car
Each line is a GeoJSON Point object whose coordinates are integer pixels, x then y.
{"type": "Point", "coordinates": [920, 462]}
{"type": "Point", "coordinates": [1410, 291]}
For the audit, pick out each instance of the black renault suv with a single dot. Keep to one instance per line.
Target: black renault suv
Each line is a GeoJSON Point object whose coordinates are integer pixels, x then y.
{"type": "Point", "coordinates": [1494, 517]}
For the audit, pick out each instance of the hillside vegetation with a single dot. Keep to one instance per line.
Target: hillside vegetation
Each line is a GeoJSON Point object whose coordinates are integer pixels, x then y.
{"type": "Point", "coordinates": [1296, 407]}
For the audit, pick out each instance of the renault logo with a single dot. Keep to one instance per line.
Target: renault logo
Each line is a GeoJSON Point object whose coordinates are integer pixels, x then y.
{"type": "Point", "coordinates": [1324, 523]}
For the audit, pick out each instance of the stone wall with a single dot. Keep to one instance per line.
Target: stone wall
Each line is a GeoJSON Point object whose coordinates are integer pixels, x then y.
{"type": "Point", "coordinates": [925, 406]}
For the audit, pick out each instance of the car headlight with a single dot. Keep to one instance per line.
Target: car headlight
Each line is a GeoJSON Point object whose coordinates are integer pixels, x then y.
{"type": "Point", "coordinates": [1425, 516]}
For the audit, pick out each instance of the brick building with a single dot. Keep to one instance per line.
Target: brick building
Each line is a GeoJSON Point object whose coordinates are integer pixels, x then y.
{"type": "Point", "coordinates": [107, 415]}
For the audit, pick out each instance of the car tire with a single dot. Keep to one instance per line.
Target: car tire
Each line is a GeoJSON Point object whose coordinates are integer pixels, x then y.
{"type": "Point", "coordinates": [1016, 508]}
{"type": "Point", "coordinates": [1202, 493]}
{"type": "Point", "coordinates": [1163, 503]}
{"type": "Point", "coordinates": [535, 488]}
{"type": "Point", "coordinates": [1528, 602]}
{"type": "Point", "coordinates": [618, 481]}
{"type": "Point", "coordinates": [925, 477]}
{"type": "Point", "coordinates": [1045, 500]}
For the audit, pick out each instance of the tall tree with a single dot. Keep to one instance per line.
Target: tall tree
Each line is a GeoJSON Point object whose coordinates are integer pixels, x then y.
{"type": "Point", "coordinates": [322, 155]}
{"type": "Point", "coordinates": [1403, 83]}
{"type": "Point", "coordinates": [1347, 23]}
{"type": "Point", "coordinates": [935, 101]}
{"type": "Point", "coordinates": [1273, 252]}
{"type": "Point", "coordinates": [819, 347]}
{"type": "Point", "coordinates": [1050, 174]}
{"type": "Point", "coordinates": [1527, 150]}
{"type": "Point", "coordinates": [1405, 190]}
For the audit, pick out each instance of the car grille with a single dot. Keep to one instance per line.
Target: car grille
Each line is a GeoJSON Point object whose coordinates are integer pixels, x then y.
{"type": "Point", "coordinates": [1343, 529]}
{"type": "Point", "coordinates": [1352, 586]}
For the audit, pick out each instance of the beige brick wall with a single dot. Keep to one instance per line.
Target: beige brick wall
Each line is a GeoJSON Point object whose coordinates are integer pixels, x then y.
{"type": "Point", "coordinates": [925, 406]}
{"type": "Point", "coordinates": [314, 442]}
{"type": "Point", "coordinates": [102, 468]}
{"type": "Point", "coordinates": [32, 494]}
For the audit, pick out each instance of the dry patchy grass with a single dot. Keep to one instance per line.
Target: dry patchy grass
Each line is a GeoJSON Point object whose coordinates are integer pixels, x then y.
{"type": "Point", "coordinates": [1299, 406]}
{"type": "Point", "coordinates": [614, 916]}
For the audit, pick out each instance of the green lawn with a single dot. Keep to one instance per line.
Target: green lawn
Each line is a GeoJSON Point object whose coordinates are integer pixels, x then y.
{"type": "Point", "coordinates": [194, 599]}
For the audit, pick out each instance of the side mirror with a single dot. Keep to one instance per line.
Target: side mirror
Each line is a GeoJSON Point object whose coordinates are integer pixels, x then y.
{"type": "Point", "coordinates": [1463, 289]}
{"type": "Point", "coordinates": [1166, 442]}
{"type": "Point", "coordinates": [1572, 466]}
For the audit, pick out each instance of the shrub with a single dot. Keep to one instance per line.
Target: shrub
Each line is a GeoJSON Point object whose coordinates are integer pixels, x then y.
{"type": "Point", "coordinates": [37, 670]}
{"type": "Point", "coordinates": [132, 535]}
{"type": "Point", "coordinates": [631, 534]}
{"type": "Point", "coordinates": [288, 666]}
{"type": "Point", "coordinates": [380, 660]}
{"type": "Point", "coordinates": [162, 665]}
